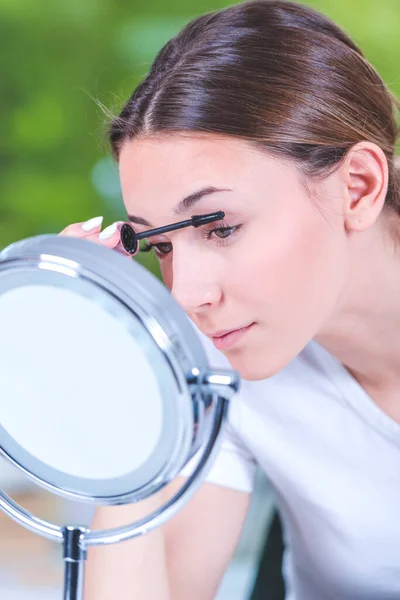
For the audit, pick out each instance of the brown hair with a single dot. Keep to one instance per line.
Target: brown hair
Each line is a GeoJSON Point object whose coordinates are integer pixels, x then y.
{"type": "Point", "coordinates": [275, 73]}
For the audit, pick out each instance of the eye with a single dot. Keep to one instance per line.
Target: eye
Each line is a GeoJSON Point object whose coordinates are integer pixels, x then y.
{"type": "Point", "coordinates": [161, 250]}
{"type": "Point", "coordinates": [221, 233]}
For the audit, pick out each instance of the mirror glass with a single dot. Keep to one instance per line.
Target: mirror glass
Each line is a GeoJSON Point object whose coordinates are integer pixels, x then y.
{"type": "Point", "coordinates": [88, 398]}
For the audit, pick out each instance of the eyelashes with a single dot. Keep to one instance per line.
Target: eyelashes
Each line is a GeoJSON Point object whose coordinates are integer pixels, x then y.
{"type": "Point", "coordinates": [225, 231]}
{"type": "Point", "coordinates": [163, 247]}
{"type": "Point", "coordinates": [222, 232]}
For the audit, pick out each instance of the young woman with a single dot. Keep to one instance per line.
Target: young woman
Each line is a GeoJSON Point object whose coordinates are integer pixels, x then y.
{"type": "Point", "coordinates": [269, 112]}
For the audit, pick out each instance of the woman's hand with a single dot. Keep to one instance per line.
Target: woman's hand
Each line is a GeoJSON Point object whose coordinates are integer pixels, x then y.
{"type": "Point", "coordinates": [91, 230]}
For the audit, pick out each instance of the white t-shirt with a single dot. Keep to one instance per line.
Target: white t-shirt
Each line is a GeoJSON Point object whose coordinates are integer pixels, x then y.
{"type": "Point", "coordinates": [333, 458]}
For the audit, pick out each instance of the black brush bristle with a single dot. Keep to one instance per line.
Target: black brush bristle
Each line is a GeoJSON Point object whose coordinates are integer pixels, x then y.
{"type": "Point", "coordinates": [198, 220]}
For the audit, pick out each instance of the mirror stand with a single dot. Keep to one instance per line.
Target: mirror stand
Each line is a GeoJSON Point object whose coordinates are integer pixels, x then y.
{"type": "Point", "coordinates": [74, 556]}
{"type": "Point", "coordinates": [75, 539]}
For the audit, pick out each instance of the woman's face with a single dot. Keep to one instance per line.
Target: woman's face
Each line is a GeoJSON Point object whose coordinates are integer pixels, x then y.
{"type": "Point", "coordinates": [274, 268]}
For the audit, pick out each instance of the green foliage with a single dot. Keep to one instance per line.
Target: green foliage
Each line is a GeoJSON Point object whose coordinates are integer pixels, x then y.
{"type": "Point", "coordinates": [57, 57]}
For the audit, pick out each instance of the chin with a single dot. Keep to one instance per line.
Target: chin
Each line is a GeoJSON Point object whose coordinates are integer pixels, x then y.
{"type": "Point", "coordinates": [254, 370]}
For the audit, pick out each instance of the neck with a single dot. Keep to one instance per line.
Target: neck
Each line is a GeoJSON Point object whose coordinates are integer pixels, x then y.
{"type": "Point", "coordinates": [364, 331]}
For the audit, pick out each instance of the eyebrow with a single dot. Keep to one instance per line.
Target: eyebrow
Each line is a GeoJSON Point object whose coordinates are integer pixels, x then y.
{"type": "Point", "coordinates": [184, 205]}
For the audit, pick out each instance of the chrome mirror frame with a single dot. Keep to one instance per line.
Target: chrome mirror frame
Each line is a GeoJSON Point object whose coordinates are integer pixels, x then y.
{"type": "Point", "coordinates": [203, 393]}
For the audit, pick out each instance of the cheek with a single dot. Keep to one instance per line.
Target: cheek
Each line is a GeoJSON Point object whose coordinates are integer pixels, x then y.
{"type": "Point", "coordinates": [291, 286]}
{"type": "Point", "coordinates": [295, 270]}
{"type": "Point", "coordinates": [167, 273]}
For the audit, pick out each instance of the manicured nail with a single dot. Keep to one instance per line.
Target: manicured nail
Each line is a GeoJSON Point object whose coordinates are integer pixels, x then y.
{"type": "Point", "coordinates": [108, 232]}
{"type": "Point", "coordinates": [92, 224]}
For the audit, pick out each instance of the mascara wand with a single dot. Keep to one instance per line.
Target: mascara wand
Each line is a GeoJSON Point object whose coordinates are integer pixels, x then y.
{"type": "Point", "coordinates": [130, 239]}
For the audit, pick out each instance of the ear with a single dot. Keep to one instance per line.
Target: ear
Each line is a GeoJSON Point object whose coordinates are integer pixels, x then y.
{"type": "Point", "coordinates": [366, 175]}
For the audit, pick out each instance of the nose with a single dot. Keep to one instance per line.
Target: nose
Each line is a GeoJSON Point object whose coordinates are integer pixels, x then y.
{"type": "Point", "coordinates": [195, 283]}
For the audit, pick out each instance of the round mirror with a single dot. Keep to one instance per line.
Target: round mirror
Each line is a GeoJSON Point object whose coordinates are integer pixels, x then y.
{"type": "Point", "coordinates": [94, 355]}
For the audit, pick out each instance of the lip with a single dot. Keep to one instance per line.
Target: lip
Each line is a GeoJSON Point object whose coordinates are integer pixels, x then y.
{"type": "Point", "coordinates": [228, 337]}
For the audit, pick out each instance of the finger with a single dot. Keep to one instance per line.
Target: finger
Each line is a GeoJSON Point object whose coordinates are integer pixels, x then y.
{"type": "Point", "coordinates": [85, 229]}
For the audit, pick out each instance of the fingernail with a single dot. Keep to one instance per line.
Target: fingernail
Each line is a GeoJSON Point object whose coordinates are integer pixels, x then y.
{"type": "Point", "coordinates": [92, 223]}
{"type": "Point", "coordinates": [108, 232]}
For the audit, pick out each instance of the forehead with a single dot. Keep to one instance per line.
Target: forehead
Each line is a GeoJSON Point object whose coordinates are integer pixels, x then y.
{"type": "Point", "coordinates": [177, 155]}
{"type": "Point", "coordinates": [170, 167]}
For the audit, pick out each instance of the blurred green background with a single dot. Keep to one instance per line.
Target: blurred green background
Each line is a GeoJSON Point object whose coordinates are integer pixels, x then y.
{"type": "Point", "coordinates": [57, 57]}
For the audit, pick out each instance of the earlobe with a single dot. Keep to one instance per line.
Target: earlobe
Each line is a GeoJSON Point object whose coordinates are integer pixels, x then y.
{"type": "Point", "coordinates": [366, 172]}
